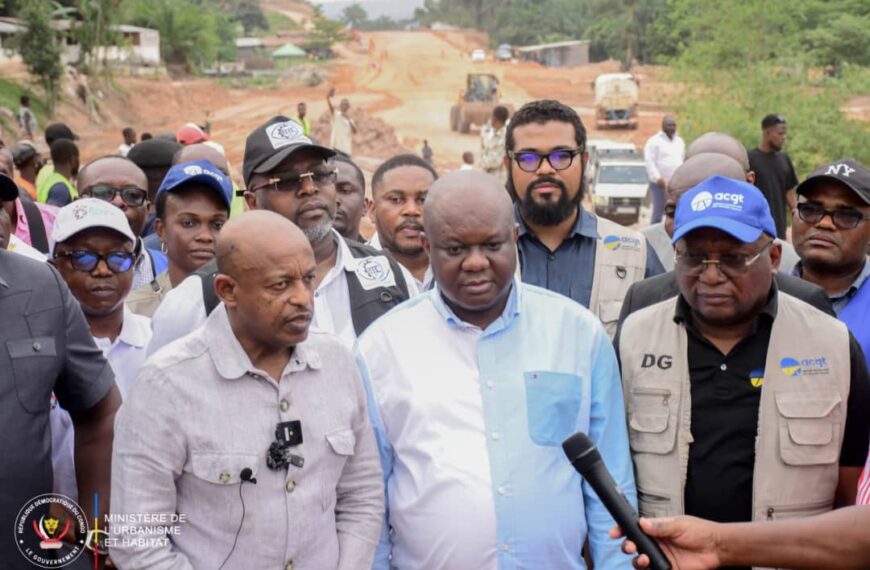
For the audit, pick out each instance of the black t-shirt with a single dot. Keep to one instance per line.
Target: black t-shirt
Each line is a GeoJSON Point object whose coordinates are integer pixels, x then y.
{"type": "Point", "coordinates": [774, 176]}
{"type": "Point", "coordinates": [726, 394]}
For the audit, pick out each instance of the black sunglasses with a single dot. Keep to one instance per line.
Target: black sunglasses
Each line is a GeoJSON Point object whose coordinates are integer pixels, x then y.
{"type": "Point", "coordinates": [530, 161]}
{"type": "Point", "coordinates": [87, 261]}
{"type": "Point", "coordinates": [131, 195]}
{"type": "Point", "coordinates": [843, 219]}
{"type": "Point", "coordinates": [320, 177]}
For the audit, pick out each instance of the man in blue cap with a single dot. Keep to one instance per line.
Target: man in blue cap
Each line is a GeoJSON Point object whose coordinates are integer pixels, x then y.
{"type": "Point", "coordinates": [192, 205]}
{"type": "Point", "coordinates": [744, 403]}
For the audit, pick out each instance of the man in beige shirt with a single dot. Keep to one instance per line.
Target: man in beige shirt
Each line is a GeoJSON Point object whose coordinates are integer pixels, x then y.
{"type": "Point", "coordinates": [343, 127]}
{"type": "Point", "coordinates": [252, 431]}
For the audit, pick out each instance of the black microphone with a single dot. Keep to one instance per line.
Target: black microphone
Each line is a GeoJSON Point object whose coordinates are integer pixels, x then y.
{"type": "Point", "coordinates": [587, 461]}
{"type": "Point", "coordinates": [245, 475]}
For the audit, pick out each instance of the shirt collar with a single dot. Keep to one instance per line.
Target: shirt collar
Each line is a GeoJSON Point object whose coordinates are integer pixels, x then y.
{"type": "Point", "coordinates": [231, 360]}
{"type": "Point", "coordinates": [509, 314]}
{"type": "Point", "coordinates": [683, 311]}
{"type": "Point", "coordinates": [133, 332]}
{"type": "Point", "coordinates": [585, 226]}
{"type": "Point", "coordinates": [797, 271]}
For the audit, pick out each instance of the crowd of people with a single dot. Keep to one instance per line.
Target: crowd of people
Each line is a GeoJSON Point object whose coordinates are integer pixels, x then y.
{"type": "Point", "coordinates": [233, 376]}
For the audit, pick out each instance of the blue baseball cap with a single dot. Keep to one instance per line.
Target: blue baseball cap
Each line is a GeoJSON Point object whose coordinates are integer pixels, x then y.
{"type": "Point", "coordinates": [737, 208]}
{"type": "Point", "coordinates": [202, 172]}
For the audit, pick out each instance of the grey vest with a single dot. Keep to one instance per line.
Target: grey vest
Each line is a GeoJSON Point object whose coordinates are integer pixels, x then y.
{"type": "Point", "coordinates": [801, 420]}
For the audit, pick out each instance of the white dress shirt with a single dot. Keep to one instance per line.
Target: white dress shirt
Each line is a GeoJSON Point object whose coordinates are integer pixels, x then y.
{"type": "Point", "coordinates": [126, 355]}
{"type": "Point", "coordinates": [201, 413]}
{"type": "Point", "coordinates": [183, 309]}
{"type": "Point", "coordinates": [21, 247]}
{"type": "Point", "coordinates": [663, 156]}
{"type": "Point", "coordinates": [470, 424]}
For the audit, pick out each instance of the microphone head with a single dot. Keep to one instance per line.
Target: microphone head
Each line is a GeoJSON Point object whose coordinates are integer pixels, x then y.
{"type": "Point", "coordinates": [246, 475]}
{"type": "Point", "coordinates": [580, 450]}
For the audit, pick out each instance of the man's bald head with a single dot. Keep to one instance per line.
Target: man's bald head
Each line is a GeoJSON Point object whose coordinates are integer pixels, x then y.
{"type": "Point", "coordinates": [691, 173]}
{"type": "Point", "coordinates": [266, 276]}
{"type": "Point", "coordinates": [247, 241]}
{"type": "Point", "coordinates": [720, 143]}
{"type": "Point", "coordinates": [467, 193]}
{"type": "Point", "coordinates": [200, 151]}
{"type": "Point", "coordinates": [471, 238]}
{"type": "Point", "coordinates": [107, 169]}
{"type": "Point", "coordinates": [701, 167]}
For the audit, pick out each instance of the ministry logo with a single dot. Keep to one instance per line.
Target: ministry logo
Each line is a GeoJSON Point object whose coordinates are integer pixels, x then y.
{"type": "Point", "coordinates": [50, 531]}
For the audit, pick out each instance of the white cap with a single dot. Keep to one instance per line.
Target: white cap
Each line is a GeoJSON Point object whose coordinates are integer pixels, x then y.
{"type": "Point", "coordinates": [87, 213]}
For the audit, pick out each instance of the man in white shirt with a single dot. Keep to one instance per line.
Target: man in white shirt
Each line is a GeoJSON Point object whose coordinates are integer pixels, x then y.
{"type": "Point", "coordinates": [129, 135]}
{"type": "Point", "coordinates": [252, 428]}
{"type": "Point", "coordinates": [343, 127]}
{"type": "Point", "coordinates": [473, 387]}
{"type": "Point", "coordinates": [663, 153]}
{"type": "Point", "coordinates": [92, 247]}
{"type": "Point", "coordinates": [286, 173]}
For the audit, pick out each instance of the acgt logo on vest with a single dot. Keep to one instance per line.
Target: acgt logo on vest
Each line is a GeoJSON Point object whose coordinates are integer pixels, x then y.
{"type": "Point", "coordinates": [613, 242]}
{"type": "Point", "coordinates": [805, 366]}
{"type": "Point", "coordinates": [664, 361]}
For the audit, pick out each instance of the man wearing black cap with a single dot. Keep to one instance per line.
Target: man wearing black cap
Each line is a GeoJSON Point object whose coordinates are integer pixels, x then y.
{"type": "Point", "coordinates": [154, 157]}
{"type": "Point", "coordinates": [831, 234]}
{"type": "Point", "coordinates": [285, 172]}
{"type": "Point", "coordinates": [774, 172]}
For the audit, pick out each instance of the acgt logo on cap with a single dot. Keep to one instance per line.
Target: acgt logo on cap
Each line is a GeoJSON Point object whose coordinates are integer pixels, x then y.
{"type": "Point", "coordinates": [283, 134]}
{"type": "Point", "coordinates": [728, 200]}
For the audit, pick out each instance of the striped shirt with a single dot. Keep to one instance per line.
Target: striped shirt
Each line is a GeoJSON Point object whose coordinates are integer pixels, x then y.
{"type": "Point", "coordinates": [864, 485]}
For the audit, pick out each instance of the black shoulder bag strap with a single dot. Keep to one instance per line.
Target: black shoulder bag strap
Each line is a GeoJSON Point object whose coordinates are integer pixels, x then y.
{"type": "Point", "coordinates": [207, 274]}
{"type": "Point", "coordinates": [38, 237]}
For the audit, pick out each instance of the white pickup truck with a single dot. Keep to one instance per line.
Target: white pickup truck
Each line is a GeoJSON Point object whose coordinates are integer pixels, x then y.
{"type": "Point", "coordinates": [617, 181]}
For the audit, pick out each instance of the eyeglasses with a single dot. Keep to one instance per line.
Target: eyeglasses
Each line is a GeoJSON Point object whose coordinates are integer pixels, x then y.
{"type": "Point", "coordinates": [294, 182]}
{"type": "Point", "coordinates": [730, 264]}
{"type": "Point", "coordinates": [87, 261]}
{"type": "Point", "coordinates": [131, 195]}
{"type": "Point", "coordinates": [530, 161]}
{"type": "Point", "coordinates": [843, 219]}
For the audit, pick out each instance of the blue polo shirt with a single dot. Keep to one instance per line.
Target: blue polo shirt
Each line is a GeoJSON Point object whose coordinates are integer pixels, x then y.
{"type": "Point", "coordinates": [568, 270]}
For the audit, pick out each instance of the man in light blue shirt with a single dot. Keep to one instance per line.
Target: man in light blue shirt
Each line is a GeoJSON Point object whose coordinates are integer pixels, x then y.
{"type": "Point", "coordinates": [472, 388]}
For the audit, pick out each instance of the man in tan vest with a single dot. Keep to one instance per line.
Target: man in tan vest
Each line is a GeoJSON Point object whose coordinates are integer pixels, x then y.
{"type": "Point", "coordinates": [744, 403]}
{"type": "Point", "coordinates": [562, 246]}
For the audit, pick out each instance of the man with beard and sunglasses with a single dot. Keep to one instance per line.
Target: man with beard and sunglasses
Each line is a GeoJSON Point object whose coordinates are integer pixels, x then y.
{"type": "Point", "coordinates": [286, 173]}
{"type": "Point", "coordinates": [399, 188]}
{"type": "Point", "coordinates": [831, 234]}
{"type": "Point", "coordinates": [562, 246]}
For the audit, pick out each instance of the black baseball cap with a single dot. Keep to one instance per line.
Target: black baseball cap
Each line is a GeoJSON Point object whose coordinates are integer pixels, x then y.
{"type": "Point", "coordinates": [272, 142]}
{"type": "Point", "coordinates": [56, 131]}
{"type": "Point", "coordinates": [847, 171]}
{"type": "Point", "coordinates": [153, 153]}
{"type": "Point", "coordinates": [8, 189]}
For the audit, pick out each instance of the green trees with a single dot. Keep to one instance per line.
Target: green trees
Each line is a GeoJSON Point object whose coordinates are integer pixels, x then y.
{"type": "Point", "coordinates": [40, 48]}
{"type": "Point", "coordinates": [188, 34]}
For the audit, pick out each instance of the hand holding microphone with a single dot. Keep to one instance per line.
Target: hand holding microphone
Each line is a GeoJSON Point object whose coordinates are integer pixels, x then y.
{"type": "Point", "coordinates": [587, 461]}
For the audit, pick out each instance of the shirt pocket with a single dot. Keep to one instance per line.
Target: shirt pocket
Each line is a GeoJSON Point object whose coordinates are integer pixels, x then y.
{"type": "Point", "coordinates": [222, 467]}
{"type": "Point", "coordinates": [342, 445]}
{"type": "Point", "coordinates": [808, 434]}
{"type": "Point", "coordinates": [652, 425]}
{"type": "Point", "coordinates": [34, 368]}
{"type": "Point", "coordinates": [552, 405]}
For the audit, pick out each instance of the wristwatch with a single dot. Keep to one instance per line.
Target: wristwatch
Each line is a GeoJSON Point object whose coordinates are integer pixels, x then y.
{"type": "Point", "coordinates": [96, 542]}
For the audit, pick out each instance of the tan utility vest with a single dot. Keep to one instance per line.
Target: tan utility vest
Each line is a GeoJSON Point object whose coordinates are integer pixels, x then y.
{"type": "Point", "coordinates": [620, 261]}
{"type": "Point", "coordinates": [801, 418]}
